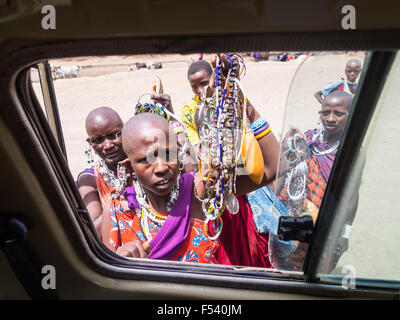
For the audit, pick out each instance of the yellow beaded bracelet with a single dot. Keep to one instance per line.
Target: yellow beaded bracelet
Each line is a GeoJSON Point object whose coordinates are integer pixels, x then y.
{"type": "Point", "coordinates": [264, 133]}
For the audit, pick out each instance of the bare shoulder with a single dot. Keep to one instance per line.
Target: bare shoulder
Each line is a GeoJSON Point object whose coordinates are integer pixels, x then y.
{"type": "Point", "coordinates": [87, 179]}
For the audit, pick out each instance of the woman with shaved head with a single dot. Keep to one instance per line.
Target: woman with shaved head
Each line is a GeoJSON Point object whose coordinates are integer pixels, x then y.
{"type": "Point", "coordinates": [162, 216]}
{"type": "Point", "coordinates": [158, 219]}
{"type": "Point", "coordinates": [100, 182]}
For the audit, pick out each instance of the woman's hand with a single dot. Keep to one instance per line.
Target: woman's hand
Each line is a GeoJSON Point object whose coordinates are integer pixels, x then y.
{"type": "Point", "coordinates": [134, 249]}
{"type": "Point", "coordinates": [163, 99]}
{"type": "Point", "coordinates": [225, 61]}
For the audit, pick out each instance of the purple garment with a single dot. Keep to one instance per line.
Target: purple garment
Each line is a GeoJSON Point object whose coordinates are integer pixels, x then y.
{"type": "Point", "coordinates": [175, 229]}
{"type": "Point", "coordinates": [130, 195]}
{"type": "Point", "coordinates": [87, 170]}
{"type": "Point", "coordinates": [325, 162]}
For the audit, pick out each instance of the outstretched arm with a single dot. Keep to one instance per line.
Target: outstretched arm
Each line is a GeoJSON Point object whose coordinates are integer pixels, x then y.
{"type": "Point", "coordinates": [270, 151]}
{"type": "Point", "coordinates": [105, 229]}
{"type": "Point", "coordinates": [133, 249]}
{"type": "Point", "coordinates": [319, 96]}
{"type": "Point", "coordinates": [88, 191]}
{"type": "Point", "coordinates": [163, 99]}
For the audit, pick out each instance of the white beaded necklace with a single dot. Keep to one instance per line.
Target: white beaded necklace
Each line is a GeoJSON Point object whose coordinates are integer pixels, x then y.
{"type": "Point", "coordinates": [321, 135]}
{"type": "Point", "coordinates": [146, 213]}
{"type": "Point", "coordinates": [119, 182]}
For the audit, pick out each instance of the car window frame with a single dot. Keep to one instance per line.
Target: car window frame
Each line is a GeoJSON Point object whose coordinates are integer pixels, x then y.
{"type": "Point", "coordinates": [378, 65]}
{"type": "Point", "coordinates": [293, 282]}
{"type": "Point", "coordinates": [50, 103]}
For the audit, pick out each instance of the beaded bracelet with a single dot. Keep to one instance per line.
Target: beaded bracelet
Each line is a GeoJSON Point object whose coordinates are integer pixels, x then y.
{"type": "Point", "coordinates": [262, 129]}
{"type": "Point", "coordinates": [149, 107]}
{"type": "Point", "coordinates": [256, 125]}
{"type": "Point", "coordinates": [205, 227]}
{"type": "Point", "coordinates": [263, 133]}
{"type": "Point", "coordinates": [176, 126]}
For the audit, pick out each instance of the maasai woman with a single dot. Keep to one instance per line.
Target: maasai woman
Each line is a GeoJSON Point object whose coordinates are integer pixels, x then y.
{"type": "Point", "coordinates": [99, 183]}
{"type": "Point", "coordinates": [161, 216]}
{"type": "Point", "coordinates": [322, 144]}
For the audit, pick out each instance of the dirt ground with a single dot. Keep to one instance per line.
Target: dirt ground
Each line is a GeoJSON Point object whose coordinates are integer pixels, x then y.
{"type": "Point", "coordinates": [281, 91]}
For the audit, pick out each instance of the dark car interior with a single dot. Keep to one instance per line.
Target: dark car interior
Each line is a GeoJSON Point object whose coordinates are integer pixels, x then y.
{"type": "Point", "coordinates": [43, 220]}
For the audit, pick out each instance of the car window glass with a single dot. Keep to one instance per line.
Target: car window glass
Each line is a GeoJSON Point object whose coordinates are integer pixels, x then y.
{"type": "Point", "coordinates": [373, 238]}
{"type": "Point", "coordinates": [317, 110]}
{"type": "Point", "coordinates": [119, 81]}
{"type": "Point", "coordinates": [283, 86]}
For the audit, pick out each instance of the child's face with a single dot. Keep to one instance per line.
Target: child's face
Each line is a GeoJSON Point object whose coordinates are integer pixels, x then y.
{"type": "Point", "coordinates": [352, 72]}
{"type": "Point", "coordinates": [199, 80]}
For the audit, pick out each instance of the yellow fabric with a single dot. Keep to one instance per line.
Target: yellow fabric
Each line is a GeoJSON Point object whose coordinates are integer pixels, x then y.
{"type": "Point", "coordinates": [311, 209]}
{"type": "Point", "coordinates": [188, 112]}
{"type": "Point", "coordinates": [252, 157]}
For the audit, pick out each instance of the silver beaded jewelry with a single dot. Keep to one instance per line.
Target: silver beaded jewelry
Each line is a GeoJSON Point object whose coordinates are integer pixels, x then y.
{"type": "Point", "coordinates": [119, 182]}
{"type": "Point", "coordinates": [221, 134]}
{"type": "Point", "coordinates": [296, 178]}
{"type": "Point", "coordinates": [89, 153]}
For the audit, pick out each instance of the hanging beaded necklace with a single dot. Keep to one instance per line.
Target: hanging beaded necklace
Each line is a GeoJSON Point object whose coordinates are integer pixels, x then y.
{"type": "Point", "coordinates": [151, 107]}
{"type": "Point", "coordinates": [295, 183]}
{"type": "Point", "coordinates": [221, 133]}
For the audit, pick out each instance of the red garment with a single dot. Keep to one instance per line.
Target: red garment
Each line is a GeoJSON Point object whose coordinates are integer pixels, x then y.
{"type": "Point", "coordinates": [125, 227]}
{"type": "Point", "coordinates": [315, 183]}
{"type": "Point", "coordinates": [240, 243]}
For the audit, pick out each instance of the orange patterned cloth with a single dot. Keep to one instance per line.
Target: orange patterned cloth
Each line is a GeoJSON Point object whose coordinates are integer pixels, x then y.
{"type": "Point", "coordinates": [103, 188]}
{"type": "Point", "coordinates": [315, 183]}
{"type": "Point", "coordinates": [125, 227]}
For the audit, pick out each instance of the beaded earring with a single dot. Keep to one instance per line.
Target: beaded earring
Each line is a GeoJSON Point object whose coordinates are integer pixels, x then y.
{"type": "Point", "coordinates": [89, 153]}
{"type": "Point", "coordinates": [181, 155]}
{"type": "Point", "coordinates": [122, 179]}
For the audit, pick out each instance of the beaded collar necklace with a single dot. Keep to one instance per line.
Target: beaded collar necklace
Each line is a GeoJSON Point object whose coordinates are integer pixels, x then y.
{"type": "Point", "coordinates": [117, 180]}
{"type": "Point", "coordinates": [145, 213]}
{"type": "Point", "coordinates": [320, 135]}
